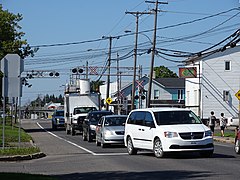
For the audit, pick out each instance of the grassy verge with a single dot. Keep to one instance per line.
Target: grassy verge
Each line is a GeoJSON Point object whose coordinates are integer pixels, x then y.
{"type": "Point", "coordinates": [11, 139]}
{"type": "Point", "coordinates": [226, 134]}
{"type": "Point", "coordinates": [13, 176]}
{"type": "Point", "coordinates": [19, 151]}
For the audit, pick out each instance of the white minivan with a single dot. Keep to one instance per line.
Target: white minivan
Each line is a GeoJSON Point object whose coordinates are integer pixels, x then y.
{"type": "Point", "coordinates": [164, 130]}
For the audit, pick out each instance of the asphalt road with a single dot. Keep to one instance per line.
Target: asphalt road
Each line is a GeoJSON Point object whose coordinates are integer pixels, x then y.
{"type": "Point", "coordinates": [69, 157]}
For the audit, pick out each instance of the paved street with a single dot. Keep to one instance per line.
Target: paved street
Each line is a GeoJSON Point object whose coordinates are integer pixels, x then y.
{"type": "Point", "coordinates": [68, 157]}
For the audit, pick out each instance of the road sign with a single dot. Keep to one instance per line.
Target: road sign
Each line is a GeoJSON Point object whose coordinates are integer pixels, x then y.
{"type": "Point", "coordinates": [109, 100]}
{"type": "Point", "coordinates": [238, 95]}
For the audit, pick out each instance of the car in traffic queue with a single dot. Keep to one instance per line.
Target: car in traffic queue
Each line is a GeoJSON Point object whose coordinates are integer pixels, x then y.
{"type": "Point", "coordinates": [90, 123]}
{"type": "Point", "coordinates": [164, 130]}
{"type": "Point", "coordinates": [58, 119]}
{"type": "Point", "coordinates": [110, 130]}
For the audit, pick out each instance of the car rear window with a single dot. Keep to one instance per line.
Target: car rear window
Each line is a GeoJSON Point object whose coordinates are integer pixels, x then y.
{"type": "Point", "coordinates": [176, 117]}
{"type": "Point", "coordinates": [59, 113]}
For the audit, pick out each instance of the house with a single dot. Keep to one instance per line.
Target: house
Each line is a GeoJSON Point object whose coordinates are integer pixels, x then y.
{"type": "Point", "coordinates": [166, 92]}
{"type": "Point", "coordinates": [216, 84]}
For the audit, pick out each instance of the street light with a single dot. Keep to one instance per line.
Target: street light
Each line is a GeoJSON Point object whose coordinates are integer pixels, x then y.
{"type": "Point", "coordinates": [135, 62]}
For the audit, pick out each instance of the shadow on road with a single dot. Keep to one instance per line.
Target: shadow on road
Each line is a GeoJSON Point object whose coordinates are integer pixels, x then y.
{"type": "Point", "coordinates": [138, 175]}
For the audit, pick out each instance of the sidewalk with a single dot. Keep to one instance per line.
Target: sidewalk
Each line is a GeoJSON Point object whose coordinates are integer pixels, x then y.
{"type": "Point", "coordinates": [224, 139]}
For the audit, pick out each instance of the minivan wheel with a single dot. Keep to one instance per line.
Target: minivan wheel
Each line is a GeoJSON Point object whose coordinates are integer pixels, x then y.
{"type": "Point", "coordinates": [236, 146]}
{"type": "Point", "coordinates": [131, 150]}
{"type": "Point", "coordinates": [157, 149]}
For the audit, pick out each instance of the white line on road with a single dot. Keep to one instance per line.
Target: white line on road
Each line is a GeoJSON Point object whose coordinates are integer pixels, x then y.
{"type": "Point", "coordinates": [80, 147]}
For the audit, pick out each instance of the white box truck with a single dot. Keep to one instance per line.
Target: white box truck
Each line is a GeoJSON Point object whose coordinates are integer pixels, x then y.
{"type": "Point", "coordinates": [78, 101]}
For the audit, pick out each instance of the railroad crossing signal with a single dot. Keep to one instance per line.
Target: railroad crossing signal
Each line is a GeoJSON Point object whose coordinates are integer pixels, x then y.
{"type": "Point", "coordinates": [238, 95]}
{"type": "Point", "coordinates": [109, 100]}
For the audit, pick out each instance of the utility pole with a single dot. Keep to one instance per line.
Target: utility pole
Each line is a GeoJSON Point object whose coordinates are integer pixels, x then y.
{"type": "Point", "coordinates": [153, 51]}
{"type": "Point", "coordinates": [108, 66]}
{"type": "Point", "coordinates": [136, 14]}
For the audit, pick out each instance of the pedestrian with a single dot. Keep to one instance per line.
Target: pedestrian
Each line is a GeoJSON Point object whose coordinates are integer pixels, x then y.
{"type": "Point", "coordinates": [212, 120]}
{"type": "Point", "coordinates": [222, 124]}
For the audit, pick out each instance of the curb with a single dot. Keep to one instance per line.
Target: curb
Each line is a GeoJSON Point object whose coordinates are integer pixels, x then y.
{"type": "Point", "coordinates": [23, 157]}
{"type": "Point", "coordinates": [225, 140]}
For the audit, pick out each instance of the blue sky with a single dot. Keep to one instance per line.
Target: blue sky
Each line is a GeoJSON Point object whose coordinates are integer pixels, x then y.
{"type": "Point", "coordinates": [52, 22]}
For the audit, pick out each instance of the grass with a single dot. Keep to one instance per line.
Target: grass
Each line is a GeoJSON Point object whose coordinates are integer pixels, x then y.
{"type": "Point", "coordinates": [11, 139]}
{"type": "Point", "coordinates": [226, 134]}
{"type": "Point", "coordinates": [13, 176]}
{"type": "Point", "coordinates": [19, 151]}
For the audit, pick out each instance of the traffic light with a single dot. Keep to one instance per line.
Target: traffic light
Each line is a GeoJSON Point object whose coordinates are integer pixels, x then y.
{"type": "Point", "coordinates": [136, 97]}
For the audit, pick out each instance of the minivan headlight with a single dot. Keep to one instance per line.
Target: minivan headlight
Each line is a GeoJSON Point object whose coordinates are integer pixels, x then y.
{"type": "Point", "coordinates": [208, 133]}
{"type": "Point", "coordinates": [170, 134]}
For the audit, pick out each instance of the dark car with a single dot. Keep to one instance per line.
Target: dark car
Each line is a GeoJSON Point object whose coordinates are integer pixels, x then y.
{"type": "Point", "coordinates": [90, 123]}
{"type": "Point", "coordinates": [58, 119]}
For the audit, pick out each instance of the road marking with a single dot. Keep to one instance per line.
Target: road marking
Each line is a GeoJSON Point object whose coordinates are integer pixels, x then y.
{"type": "Point", "coordinates": [80, 147]}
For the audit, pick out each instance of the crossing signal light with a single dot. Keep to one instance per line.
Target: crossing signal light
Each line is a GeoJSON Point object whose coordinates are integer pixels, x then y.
{"type": "Point", "coordinates": [136, 97]}
{"type": "Point", "coordinates": [75, 70]}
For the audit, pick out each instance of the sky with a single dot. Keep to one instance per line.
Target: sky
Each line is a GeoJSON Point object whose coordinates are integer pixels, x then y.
{"type": "Point", "coordinates": [69, 34]}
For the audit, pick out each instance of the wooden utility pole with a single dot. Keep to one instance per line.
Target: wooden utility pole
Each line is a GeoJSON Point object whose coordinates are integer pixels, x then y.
{"type": "Point", "coordinates": [153, 51]}
{"type": "Point", "coordinates": [137, 14]}
{"type": "Point", "coordinates": [108, 66]}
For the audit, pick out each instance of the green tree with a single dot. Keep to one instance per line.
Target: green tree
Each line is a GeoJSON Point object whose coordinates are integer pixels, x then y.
{"type": "Point", "coordinates": [95, 85]}
{"type": "Point", "coordinates": [164, 72]}
{"type": "Point", "coordinates": [11, 36]}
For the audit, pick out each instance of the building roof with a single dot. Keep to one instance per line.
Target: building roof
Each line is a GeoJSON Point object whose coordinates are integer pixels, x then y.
{"type": "Point", "coordinates": [171, 82]}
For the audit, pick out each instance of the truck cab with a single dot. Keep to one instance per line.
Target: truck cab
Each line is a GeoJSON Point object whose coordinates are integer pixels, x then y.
{"type": "Point", "coordinates": [78, 116]}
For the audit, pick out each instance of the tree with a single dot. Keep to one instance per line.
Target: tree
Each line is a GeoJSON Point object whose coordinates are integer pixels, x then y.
{"type": "Point", "coordinates": [164, 72]}
{"type": "Point", "coordinates": [95, 85]}
{"type": "Point", "coordinates": [10, 36]}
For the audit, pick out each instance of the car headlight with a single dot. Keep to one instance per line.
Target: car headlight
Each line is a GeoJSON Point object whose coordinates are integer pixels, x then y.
{"type": "Point", "coordinates": [92, 127]}
{"type": "Point", "coordinates": [107, 133]}
{"type": "Point", "coordinates": [170, 134]}
{"type": "Point", "coordinates": [208, 133]}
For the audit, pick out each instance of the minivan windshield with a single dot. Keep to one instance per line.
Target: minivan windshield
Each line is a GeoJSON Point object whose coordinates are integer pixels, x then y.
{"type": "Point", "coordinates": [176, 117]}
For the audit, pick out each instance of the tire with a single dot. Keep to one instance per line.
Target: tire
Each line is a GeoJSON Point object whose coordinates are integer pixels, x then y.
{"type": "Point", "coordinates": [67, 130]}
{"type": "Point", "coordinates": [84, 137]}
{"type": "Point", "coordinates": [97, 142]}
{"type": "Point", "coordinates": [103, 145]}
{"type": "Point", "coordinates": [73, 132]}
{"type": "Point", "coordinates": [89, 138]}
{"type": "Point", "coordinates": [206, 154]}
{"type": "Point", "coordinates": [54, 127]}
{"type": "Point", "coordinates": [157, 149]}
{"type": "Point", "coordinates": [130, 148]}
{"type": "Point", "coordinates": [237, 146]}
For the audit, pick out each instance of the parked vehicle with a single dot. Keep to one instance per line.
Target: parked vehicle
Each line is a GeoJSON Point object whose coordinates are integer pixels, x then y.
{"type": "Point", "coordinates": [58, 119]}
{"type": "Point", "coordinates": [78, 101]}
{"type": "Point", "coordinates": [163, 130]}
{"type": "Point", "coordinates": [110, 130]}
{"type": "Point", "coordinates": [237, 141]}
{"type": "Point", "coordinates": [89, 124]}
{"type": "Point", "coordinates": [233, 121]}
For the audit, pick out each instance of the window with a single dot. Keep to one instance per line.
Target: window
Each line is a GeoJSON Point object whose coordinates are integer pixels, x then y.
{"type": "Point", "coordinates": [227, 65]}
{"type": "Point", "coordinates": [156, 94]}
{"type": "Point", "coordinates": [149, 119]}
{"type": "Point", "coordinates": [226, 95]}
{"type": "Point", "coordinates": [180, 94]}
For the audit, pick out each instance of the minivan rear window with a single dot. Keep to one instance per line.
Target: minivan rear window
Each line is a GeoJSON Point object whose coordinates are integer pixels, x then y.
{"type": "Point", "coordinates": [176, 117]}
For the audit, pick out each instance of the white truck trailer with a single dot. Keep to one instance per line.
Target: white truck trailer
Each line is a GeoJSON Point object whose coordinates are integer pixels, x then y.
{"type": "Point", "coordinates": [78, 101]}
